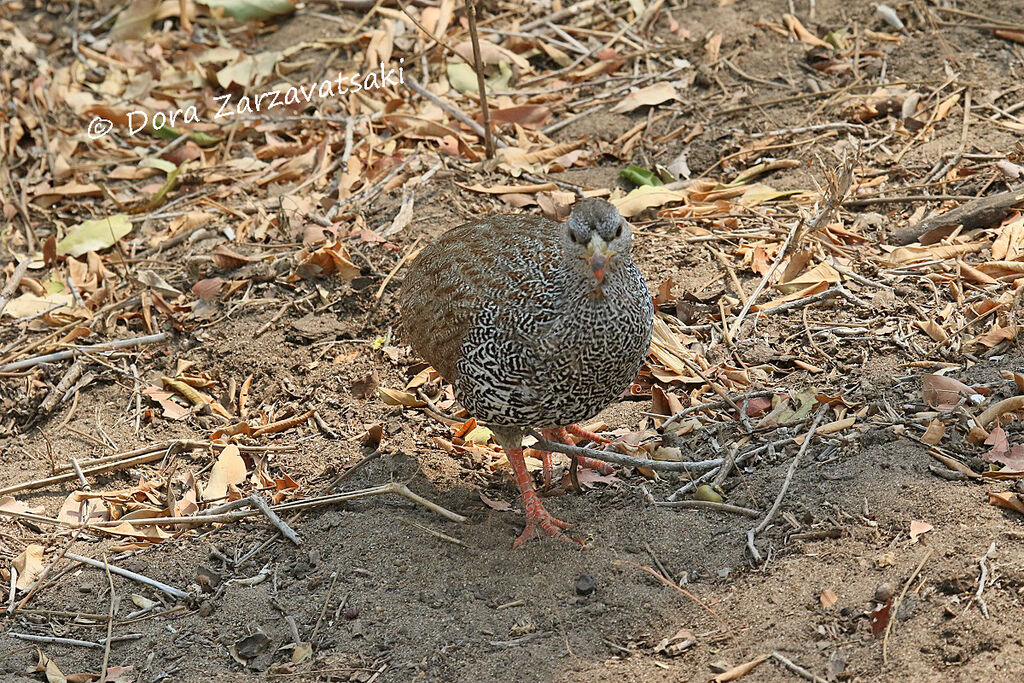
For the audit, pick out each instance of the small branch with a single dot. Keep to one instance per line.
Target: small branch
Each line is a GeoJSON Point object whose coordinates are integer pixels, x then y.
{"type": "Point", "coordinates": [798, 670]}
{"type": "Point", "coordinates": [258, 501]}
{"type": "Point", "coordinates": [896, 606]}
{"type": "Point", "coordinates": [153, 583]}
{"type": "Point", "coordinates": [709, 505]}
{"type": "Point", "coordinates": [12, 285]}
{"type": "Point", "coordinates": [110, 620]}
{"type": "Point", "coordinates": [71, 353]}
{"type": "Point", "coordinates": [982, 580]}
{"type": "Point", "coordinates": [785, 487]}
{"type": "Point", "coordinates": [625, 460]}
{"type": "Point", "coordinates": [485, 111]}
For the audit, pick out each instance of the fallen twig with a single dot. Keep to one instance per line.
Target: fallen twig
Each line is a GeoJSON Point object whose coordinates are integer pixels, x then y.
{"type": "Point", "coordinates": [709, 505]}
{"type": "Point", "coordinates": [286, 531]}
{"type": "Point", "coordinates": [12, 284]}
{"type": "Point", "coordinates": [982, 580]}
{"type": "Point", "coordinates": [798, 670]}
{"type": "Point", "coordinates": [153, 583]}
{"type": "Point", "coordinates": [72, 353]}
{"type": "Point", "coordinates": [752, 533]}
{"type": "Point", "coordinates": [896, 605]}
{"type": "Point", "coordinates": [625, 460]}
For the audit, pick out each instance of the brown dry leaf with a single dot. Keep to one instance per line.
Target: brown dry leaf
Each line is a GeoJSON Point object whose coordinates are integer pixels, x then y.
{"type": "Point", "coordinates": [800, 32]}
{"type": "Point", "coordinates": [228, 471]}
{"type": "Point", "coordinates": [394, 397]}
{"type": "Point", "coordinates": [1006, 499]}
{"type": "Point", "coordinates": [933, 435]}
{"type": "Point", "coordinates": [943, 107]}
{"type": "Point", "coordinates": [1009, 243]}
{"type": "Point", "coordinates": [879, 618]}
{"type": "Point", "coordinates": [932, 329]}
{"type": "Point", "coordinates": [649, 96]}
{"type": "Point", "coordinates": [491, 54]}
{"type": "Point", "coordinates": [498, 505]}
{"type": "Point", "coordinates": [331, 260]}
{"type": "Point", "coordinates": [49, 668]}
{"type": "Point", "coordinates": [29, 565]}
{"type": "Point", "coordinates": [677, 644]}
{"type": "Point", "coordinates": [944, 393]}
{"type": "Point", "coordinates": [227, 259]}
{"type": "Point", "coordinates": [820, 273]}
{"type": "Point", "coordinates": [995, 336]}
{"type": "Point", "coordinates": [905, 255]}
{"type": "Point", "coordinates": [828, 598]}
{"type": "Point", "coordinates": [917, 528]}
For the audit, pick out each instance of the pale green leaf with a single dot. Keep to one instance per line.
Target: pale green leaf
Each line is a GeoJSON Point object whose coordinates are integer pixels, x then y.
{"type": "Point", "coordinates": [95, 235]}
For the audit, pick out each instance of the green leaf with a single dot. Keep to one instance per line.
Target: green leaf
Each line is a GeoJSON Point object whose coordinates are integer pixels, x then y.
{"type": "Point", "coordinates": [246, 10]}
{"type": "Point", "coordinates": [462, 77]}
{"type": "Point", "coordinates": [95, 235]}
{"type": "Point", "coordinates": [162, 164]}
{"type": "Point", "coordinates": [638, 175]}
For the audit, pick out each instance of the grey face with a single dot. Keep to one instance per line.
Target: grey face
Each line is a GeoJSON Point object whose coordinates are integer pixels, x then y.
{"type": "Point", "coordinates": [598, 235]}
{"type": "Point", "coordinates": [594, 215]}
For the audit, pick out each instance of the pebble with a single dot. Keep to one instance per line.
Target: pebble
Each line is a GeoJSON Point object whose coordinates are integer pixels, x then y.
{"type": "Point", "coordinates": [883, 593]}
{"type": "Point", "coordinates": [585, 584]}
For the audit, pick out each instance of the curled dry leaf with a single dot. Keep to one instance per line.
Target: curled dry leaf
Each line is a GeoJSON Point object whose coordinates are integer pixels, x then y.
{"type": "Point", "coordinates": [944, 393]}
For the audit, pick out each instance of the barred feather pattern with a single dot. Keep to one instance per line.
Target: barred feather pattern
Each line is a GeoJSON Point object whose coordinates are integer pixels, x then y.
{"type": "Point", "coordinates": [500, 309]}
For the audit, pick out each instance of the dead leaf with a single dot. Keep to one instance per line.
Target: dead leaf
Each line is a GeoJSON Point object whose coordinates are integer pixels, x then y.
{"type": "Point", "coordinates": [917, 528]}
{"type": "Point", "coordinates": [828, 598]}
{"type": "Point", "coordinates": [933, 435]}
{"type": "Point", "coordinates": [944, 393]}
{"type": "Point", "coordinates": [228, 471]}
{"type": "Point", "coordinates": [29, 565]}
{"type": "Point", "coordinates": [1006, 499]}
{"type": "Point", "coordinates": [649, 96]}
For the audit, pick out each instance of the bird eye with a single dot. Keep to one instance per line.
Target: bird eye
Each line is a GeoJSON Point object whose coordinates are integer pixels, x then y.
{"type": "Point", "coordinates": [618, 231]}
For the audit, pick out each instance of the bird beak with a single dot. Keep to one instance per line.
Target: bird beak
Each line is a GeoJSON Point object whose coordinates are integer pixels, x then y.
{"type": "Point", "coordinates": [598, 255]}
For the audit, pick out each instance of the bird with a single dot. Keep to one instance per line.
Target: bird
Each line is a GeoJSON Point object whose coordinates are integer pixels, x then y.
{"type": "Point", "coordinates": [535, 323]}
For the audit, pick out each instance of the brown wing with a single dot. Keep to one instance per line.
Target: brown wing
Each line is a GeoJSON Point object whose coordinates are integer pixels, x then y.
{"type": "Point", "coordinates": [452, 279]}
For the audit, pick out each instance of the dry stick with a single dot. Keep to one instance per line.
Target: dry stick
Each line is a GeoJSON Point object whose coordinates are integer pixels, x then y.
{"type": "Point", "coordinates": [456, 113]}
{"type": "Point", "coordinates": [797, 669]}
{"type": "Point", "coordinates": [286, 531]}
{"type": "Point", "coordinates": [71, 353]}
{"type": "Point", "coordinates": [485, 111]}
{"type": "Point", "coordinates": [57, 393]}
{"type": "Point", "coordinates": [153, 583]}
{"type": "Point", "coordinates": [626, 460]}
{"type": "Point", "coordinates": [12, 284]}
{"type": "Point", "coordinates": [832, 202]}
{"type": "Point", "coordinates": [110, 621]}
{"type": "Point", "coordinates": [709, 505]}
{"type": "Point", "coordinates": [58, 478]}
{"type": "Point", "coordinates": [982, 578]}
{"type": "Point", "coordinates": [785, 487]}
{"type": "Point", "coordinates": [896, 605]}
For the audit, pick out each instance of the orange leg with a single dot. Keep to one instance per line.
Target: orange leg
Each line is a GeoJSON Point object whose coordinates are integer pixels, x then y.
{"type": "Point", "coordinates": [599, 465]}
{"type": "Point", "coordinates": [538, 520]}
{"type": "Point", "coordinates": [586, 434]}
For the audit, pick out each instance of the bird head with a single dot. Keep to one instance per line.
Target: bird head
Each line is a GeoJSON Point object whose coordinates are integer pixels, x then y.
{"type": "Point", "coordinates": [599, 237]}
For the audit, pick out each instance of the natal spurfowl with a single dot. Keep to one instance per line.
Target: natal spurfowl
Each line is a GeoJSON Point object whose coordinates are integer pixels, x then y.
{"type": "Point", "coordinates": [535, 323]}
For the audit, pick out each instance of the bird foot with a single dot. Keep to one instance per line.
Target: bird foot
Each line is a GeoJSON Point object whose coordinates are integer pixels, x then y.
{"type": "Point", "coordinates": [543, 524]}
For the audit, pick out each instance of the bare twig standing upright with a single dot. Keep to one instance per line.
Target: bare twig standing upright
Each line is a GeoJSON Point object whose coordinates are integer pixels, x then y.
{"type": "Point", "coordinates": [478, 66]}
